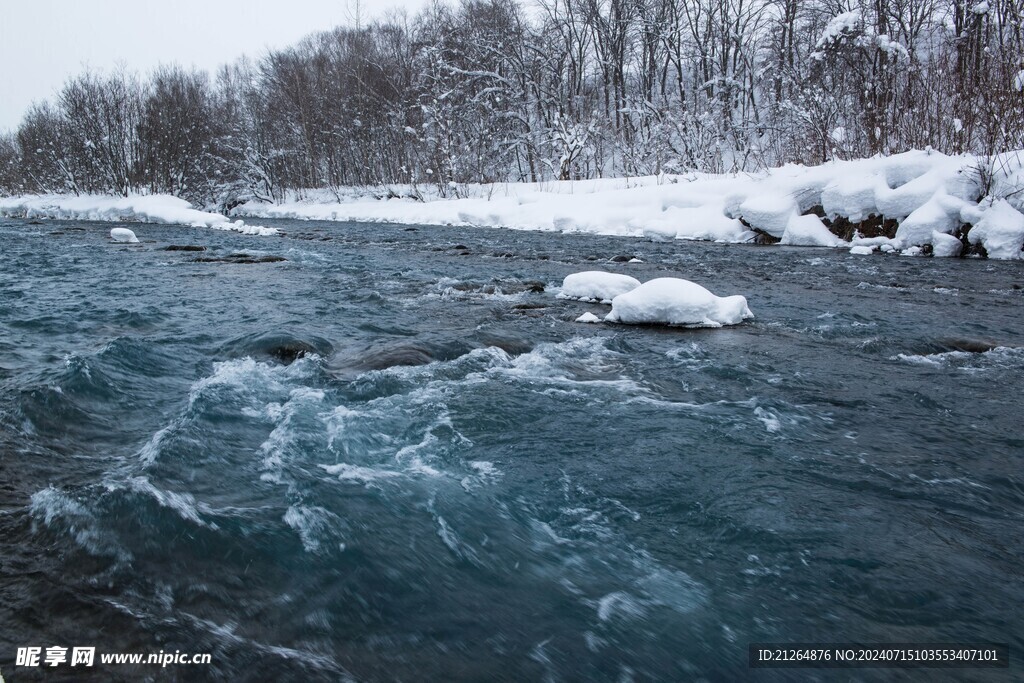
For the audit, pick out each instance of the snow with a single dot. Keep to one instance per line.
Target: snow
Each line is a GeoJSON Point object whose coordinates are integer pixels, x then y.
{"type": "Point", "coordinates": [707, 222]}
{"type": "Point", "coordinates": [940, 214]}
{"type": "Point", "coordinates": [1000, 231]}
{"type": "Point", "coordinates": [841, 25]}
{"type": "Point", "coordinates": [927, 190]}
{"type": "Point", "coordinates": [123, 235]}
{"type": "Point", "coordinates": [808, 231]}
{"type": "Point", "coordinates": [596, 285]}
{"type": "Point", "coordinates": [588, 317]}
{"type": "Point", "coordinates": [944, 245]}
{"type": "Point", "coordinates": [862, 250]}
{"type": "Point", "coordinates": [137, 209]}
{"type": "Point", "coordinates": [673, 301]}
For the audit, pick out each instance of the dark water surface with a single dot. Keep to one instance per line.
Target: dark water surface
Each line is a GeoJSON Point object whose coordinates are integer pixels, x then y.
{"type": "Point", "coordinates": [386, 458]}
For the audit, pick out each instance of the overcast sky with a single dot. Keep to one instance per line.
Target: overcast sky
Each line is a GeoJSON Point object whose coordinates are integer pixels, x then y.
{"type": "Point", "coordinates": [43, 42]}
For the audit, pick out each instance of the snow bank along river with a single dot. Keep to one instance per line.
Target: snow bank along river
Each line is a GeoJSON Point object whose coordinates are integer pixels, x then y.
{"type": "Point", "coordinates": [390, 453]}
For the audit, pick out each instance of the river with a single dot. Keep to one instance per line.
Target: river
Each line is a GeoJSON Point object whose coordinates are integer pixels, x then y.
{"type": "Point", "coordinates": [390, 456]}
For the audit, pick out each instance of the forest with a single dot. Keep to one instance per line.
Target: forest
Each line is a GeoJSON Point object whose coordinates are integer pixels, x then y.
{"type": "Point", "coordinates": [541, 90]}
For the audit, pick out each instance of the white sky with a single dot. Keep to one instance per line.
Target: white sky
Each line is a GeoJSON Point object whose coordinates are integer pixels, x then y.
{"type": "Point", "coordinates": [44, 42]}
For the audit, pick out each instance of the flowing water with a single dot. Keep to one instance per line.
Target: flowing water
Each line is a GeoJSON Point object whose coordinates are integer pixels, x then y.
{"type": "Point", "coordinates": [391, 457]}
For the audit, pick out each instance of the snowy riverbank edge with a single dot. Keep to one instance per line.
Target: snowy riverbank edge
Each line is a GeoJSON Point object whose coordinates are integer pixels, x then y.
{"type": "Point", "coordinates": [137, 209]}
{"type": "Point", "coordinates": [915, 202]}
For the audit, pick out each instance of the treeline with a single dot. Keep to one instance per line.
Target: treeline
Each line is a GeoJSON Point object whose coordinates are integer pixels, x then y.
{"type": "Point", "coordinates": [493, 90]}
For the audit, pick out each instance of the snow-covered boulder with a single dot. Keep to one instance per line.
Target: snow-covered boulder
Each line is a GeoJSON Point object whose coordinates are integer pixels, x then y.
{"type": "Point", "coordinates": [588, 317]}
{"type": "Point", "coordinates": [673, 301]}
{"type": "Point", "coordinates": [770, 212]}
{"type": "Point", "coordinates": [808, 231]}
{"type": "Point", "coordinates": [852, 196]}
{"type": "Point", "coordinates": [123, 235]}
{"type": "Point", "coordinates": [862, 250]}
{"type": "Point", "coordinates": [944, 245]}
{"type": "Point", "coordinates": [1000, 231]}
{"type": "Point", "coordinates": [940, 214]}
{"type": "Point", "coordinates": [596, 285]}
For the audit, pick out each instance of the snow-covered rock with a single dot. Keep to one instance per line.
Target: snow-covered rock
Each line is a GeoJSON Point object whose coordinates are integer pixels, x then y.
{"type": "Point", "coordinates": [123, 235]}
{"type": "Point", "coordinates": [596, 285]}
{"type": "Point", "coordinates": [808, 231]}
{"type": "Point", "coordinates": [944, 245]}
{"type": "Point", "coordinates": [673, 301]}
{"type": "Point", "coordinates": [1000, 231]}
{"type": "Point", "coordinates": [861, 250]}
{"type": "Point", "coordinates": [588, 317]}
{"type": "Point", "coordinates": [940, 214]}
{"type": "Point", "coordinates": [769, 212]}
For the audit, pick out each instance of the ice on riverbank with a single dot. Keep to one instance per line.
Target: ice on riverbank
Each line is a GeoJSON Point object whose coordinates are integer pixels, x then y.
{"type": "Point", "coordinates": [138, 209]}
{"type": "Point", "coordinates": [673, 301]}
{"type": "Point", "coordinates": [596, 285]}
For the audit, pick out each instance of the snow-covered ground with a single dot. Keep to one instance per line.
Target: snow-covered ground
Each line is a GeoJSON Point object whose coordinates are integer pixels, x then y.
{"type": "Point", "coordinates": [933, 197]}
{"type": "Point", "coordinates": [140, 209]}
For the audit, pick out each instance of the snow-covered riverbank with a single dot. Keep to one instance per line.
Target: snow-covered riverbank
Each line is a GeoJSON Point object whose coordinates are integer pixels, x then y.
{"type": "Point", "coordinates": [921, 200]}
{"type": "Point", "coordinates": [138, 209]}
{"type": "Point", "coordinates": [911, 203]}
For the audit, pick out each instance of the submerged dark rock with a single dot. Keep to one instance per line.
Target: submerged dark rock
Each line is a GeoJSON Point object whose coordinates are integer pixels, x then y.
{"type": "Point", "coordinates": [513, 346]}
{"type": "Point", "coordinates": [967, 344]}
{"type": "Point", "coordinates": [240, 258]}
{"type": "Point", "coordinates": [380, 356]}
{"type": "Point", "coordinates": [281, 347]}
{"type": "Point", "coordinates": [184, 247]}
{"type": "Point", "coordinates": [534, 286]}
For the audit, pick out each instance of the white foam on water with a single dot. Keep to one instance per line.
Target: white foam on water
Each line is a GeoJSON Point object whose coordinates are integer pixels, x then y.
{"type": "Point", "coordinates": [59, 511]}
{"type": "Point", "coordinates": [248, 376]}
{"type": "Point", "coordinates": [580, 362]}
{"type": "Point", "coordinates": [356, 473]}
{"type": "Point", "coordinates": [313, 524]}
{"type": "Point", "coordinates": [998, 358]}
{"type": "Point", "coordinates": [226, 633]}
{"type": "Point", "coordinates": [184, 504]}
{"type": "Point", "coordinates": [151, 449]}
{"type": "Point", "coordinates": [278, 447]}
{"type": "Point", "coordinates": [769, 419]}
{"type": "Point", "coordinates": [619, 604]}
